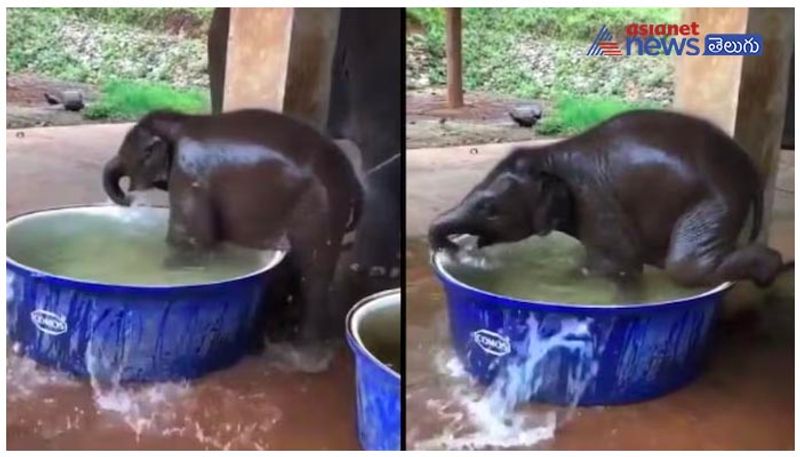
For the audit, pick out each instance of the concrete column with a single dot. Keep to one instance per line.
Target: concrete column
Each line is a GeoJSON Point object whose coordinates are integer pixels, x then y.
{"type": "Point", "coordinates": [455, 91]}
{"type": "Point", "coordinates": [764, 85]}
{"type": "Point", "coordinates": [745, 96]}
{"type": "Point", "coordinates": [280, 59]}
{"type": "Point", "coordinates": [709, 85]}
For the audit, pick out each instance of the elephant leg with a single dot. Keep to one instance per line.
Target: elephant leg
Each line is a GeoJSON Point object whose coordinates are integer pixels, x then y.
{"type": "Point", "coordinates": [315, 247]}
{"type": "Point", "coordinates": [703, 249]}
{"type": "Point", "coordinates": [191, 226]}
{"type": "Point", "coordinates": [755, 262]}
{"type": "Point", "coordinates": [612, 246]}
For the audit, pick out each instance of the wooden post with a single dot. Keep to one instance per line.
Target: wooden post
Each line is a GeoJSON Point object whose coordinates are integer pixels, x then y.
{"type": "Point", "coordinates": [281, 59]}
{"type": "Point", "coordinates": [745, 96]}
{"type": "Point", "coordinates": [455, 92]}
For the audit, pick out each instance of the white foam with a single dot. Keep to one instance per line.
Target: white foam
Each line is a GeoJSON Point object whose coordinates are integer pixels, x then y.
{"type": "Point", "coordinates": [25, 378]}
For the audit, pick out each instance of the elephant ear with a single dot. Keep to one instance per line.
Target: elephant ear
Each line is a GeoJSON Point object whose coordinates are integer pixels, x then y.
{"type": "Point", "coordinates": [157, 158]}
{"type": "Point", "coordinates": [551, 206]}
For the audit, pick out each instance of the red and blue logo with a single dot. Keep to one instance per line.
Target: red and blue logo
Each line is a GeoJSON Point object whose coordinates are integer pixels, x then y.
{"type": "Point", "coordinates": [604, 44]}
{"type": "Point", "coordinates": [674, 39]}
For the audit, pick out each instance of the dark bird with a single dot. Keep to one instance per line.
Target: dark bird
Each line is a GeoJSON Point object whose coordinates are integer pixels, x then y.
{"type": "Point", "coordinates": [526, 115]}
{"type": "Point", "coordinates": [51, 100]}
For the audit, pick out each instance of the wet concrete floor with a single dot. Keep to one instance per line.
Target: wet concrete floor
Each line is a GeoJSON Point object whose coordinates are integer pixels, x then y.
{"type": "Point", "coordinates": [255, 404]}
{"type": "Point", "coordinates": [744, 400]}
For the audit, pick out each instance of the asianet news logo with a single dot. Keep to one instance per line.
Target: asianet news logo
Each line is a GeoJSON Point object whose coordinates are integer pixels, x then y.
{"type": "Point", "coordinates": [674, 39]}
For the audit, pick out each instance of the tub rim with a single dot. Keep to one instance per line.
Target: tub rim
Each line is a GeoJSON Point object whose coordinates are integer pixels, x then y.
{"type": "Point", "coordinates": [444, 275]}
{"type": "Point", "coordinates": [98, 285]}
{"type": "Point", "coordinates": [354, 338]}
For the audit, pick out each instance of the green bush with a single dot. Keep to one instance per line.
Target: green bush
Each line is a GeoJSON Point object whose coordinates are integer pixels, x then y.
{"type": "Point", "coordinates": [133, 99]}
{"type": "Point", "coordinates": [575, 114]}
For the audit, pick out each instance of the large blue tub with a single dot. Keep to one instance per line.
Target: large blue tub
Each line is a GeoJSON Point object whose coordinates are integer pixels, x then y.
{"type": "Point", "coordinates": [375, 322]}
{"type": "Point", "coordinates": [579, 354]}
{"type": "Point", "coordinates": [125, 332]}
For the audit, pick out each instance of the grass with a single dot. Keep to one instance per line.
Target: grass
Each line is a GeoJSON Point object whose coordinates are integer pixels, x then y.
{"type": "Point", "coordinates": [576, 114]}
{"type": "Point", "coordinates": [133, 99]}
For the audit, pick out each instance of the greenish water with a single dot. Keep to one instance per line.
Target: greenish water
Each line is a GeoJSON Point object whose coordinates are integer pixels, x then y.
{"type": "Point", "coordinates": [121, 246]}
{"type": "Point", "coordinates": [548, 269]}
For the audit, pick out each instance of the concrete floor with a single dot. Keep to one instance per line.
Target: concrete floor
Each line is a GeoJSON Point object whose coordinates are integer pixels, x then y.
{"type": "Point", "coordinates": [253, 405]}
{"type": "Point", "coordinates": [744, 400]}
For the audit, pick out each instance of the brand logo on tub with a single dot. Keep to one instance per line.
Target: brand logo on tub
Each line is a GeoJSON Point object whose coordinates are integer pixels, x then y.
{"type": "Point", "coordinates": [48, 322]}
{"type": "Point", "coordinates": [491, 342]}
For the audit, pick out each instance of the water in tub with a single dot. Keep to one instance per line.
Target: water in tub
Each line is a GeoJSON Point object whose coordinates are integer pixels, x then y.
{"type": "Point", "coordinates": [123, 246]}
{"type": "Point", "coordinates": [500, 415]}
{"type": "Point", "coordinates": [257, 404]}
{"type": "Point", "coordinates": [549, 269]}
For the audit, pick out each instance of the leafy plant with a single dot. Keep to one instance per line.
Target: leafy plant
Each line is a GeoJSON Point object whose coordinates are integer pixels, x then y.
{"type": "Point", "coordinates": [133, 99]}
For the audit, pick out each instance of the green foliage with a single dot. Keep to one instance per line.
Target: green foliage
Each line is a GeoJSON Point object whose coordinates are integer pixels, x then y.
{"type": "Point", "coordinates": [133, 99]}
{"type": "Point", "coordinates": [554, 23]}
{"type": "Point", "coordinates": [56, 43]}
{"type": "Point", "coordinates": [153, 19]}
{"type": "Point", "coordinates": [572, 114]}
{"type": "Point", "coordinates": [505, 50]}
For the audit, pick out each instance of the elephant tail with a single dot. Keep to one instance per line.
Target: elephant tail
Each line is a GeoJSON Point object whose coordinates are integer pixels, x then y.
{"type": "Point", "coordinates": [344, 188]}
{"type": "Point", "coordinates": [758, 213]}
{"type": "Point", "coordinates": [357, 202]}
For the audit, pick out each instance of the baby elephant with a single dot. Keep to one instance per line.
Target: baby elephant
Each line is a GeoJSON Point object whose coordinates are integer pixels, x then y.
{"type": "Point", "coordinates": [645, 187]}
{"type": "Point", "coordinates": [248, 177]}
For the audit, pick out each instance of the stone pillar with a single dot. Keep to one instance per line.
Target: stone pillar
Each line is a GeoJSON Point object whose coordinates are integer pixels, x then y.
{"type": "Point", "coordinates": [745, 96]}
{"type": "Point", "coordinates": [280, 59]}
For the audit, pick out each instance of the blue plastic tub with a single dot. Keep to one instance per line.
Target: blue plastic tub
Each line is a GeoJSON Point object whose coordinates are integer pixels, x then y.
{"type": "Point", "coordinates": [129, 332]}
{"type": "Point", "coordinates": [377, 386]}
{"type": "Point", "coordinates": [612, 354]}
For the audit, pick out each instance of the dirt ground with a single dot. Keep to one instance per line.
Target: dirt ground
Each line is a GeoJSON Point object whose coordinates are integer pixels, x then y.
{"type": "Point", "coordinates": [483, 119]}
{"type": "Point", "coordinates": [26, 106]}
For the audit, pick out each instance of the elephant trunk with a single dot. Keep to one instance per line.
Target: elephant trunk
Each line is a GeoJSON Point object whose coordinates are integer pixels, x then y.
{"type": "Point", "coordinates": [112, 173]}
{"type": "Point", "coordinates": [445, 225]}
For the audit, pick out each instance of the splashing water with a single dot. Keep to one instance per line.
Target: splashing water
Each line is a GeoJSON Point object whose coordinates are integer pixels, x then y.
{"type": "Point", "coordinates": [500, 415]}
{"type": "Point", "coordinates": [291, 357]}
{"type": "Point", "coordinates": [238, 408]}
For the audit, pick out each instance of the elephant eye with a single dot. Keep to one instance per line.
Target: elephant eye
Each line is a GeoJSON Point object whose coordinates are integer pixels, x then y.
{"type": "Point", "coordinates": [490, 210]}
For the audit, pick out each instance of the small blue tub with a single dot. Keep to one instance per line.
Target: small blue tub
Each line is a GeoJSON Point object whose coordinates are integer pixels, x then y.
{"type": "Point", "coordinates": [123, 332]}
{"type": "Point", "coordinates": [373, 325]}
{"type": "Point", "coordinates": [584, 354]}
